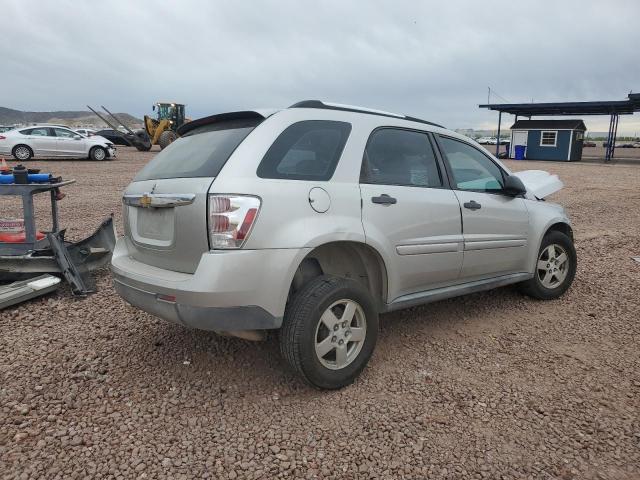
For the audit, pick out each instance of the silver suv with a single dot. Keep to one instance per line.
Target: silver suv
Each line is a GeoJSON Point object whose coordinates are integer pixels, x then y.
{"type": "Point", "coordinates": [317, 218]}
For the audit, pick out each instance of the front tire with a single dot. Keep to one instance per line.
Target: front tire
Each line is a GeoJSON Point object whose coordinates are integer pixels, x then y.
{"type": "Point", "coordinates": [329, 331]}
{"type": "Point", "coordinates": [98, 154]}
{"type": "Point", "coordinates": [167, 138]}
{"type": "Point", "coordinates": [22, 153]}
{"type": "Point", "coordinates": [555, 268]}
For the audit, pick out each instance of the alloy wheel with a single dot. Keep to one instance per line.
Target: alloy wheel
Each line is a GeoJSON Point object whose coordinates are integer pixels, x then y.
{"type": "Point", "coordinates": [22, 153]}
{"type": "Point", "coordinates": [340, 334]}
{"type": "Point", "coordinates": [99, 154]}
{"type": "Point", "coordinates": [553, 266]}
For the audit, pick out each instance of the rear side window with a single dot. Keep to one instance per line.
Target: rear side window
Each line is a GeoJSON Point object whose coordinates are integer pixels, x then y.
{"type": "Point", "coordinates": [307, 150]}
{"type": "Point", "coordinates": [400, 157]}
{"type": "Point", "coordinates": [202, 152]}
{"type": "Point", "coordinates": [38, 132]}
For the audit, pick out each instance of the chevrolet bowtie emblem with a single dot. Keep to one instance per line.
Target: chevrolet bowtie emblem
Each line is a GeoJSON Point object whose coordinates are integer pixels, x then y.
{"type": "Point", "coordinates": [145, 200]}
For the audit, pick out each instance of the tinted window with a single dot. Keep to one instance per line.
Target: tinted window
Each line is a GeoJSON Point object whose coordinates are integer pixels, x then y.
{"type": "Point", "coordinates": [400, 157]}
{"type": "Point", "coordinates": [202, 152]}
{"type": "Point", "coordinates": [307, 150]}
{"type": "Point", "coordinates": [472, 170]}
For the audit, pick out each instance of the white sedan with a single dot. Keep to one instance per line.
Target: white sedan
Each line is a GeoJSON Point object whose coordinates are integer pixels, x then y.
{"type": "Point", "coordinates": [85, 132]}
{"type": "Point", "coordinates": [487, 141]}
{"type": "Point", "coordinates": [53, 141]}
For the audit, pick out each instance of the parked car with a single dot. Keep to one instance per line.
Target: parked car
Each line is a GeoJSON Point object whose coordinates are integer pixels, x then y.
{"type": "Point", "coordinates": [617, 144]}
{"type": "Point", "coordinates": [317, 218]}
{"type": "Point", "coordinates": [487, 141]}
{"type": "Point", "coordinates": [86, 132]}
{"type": "Point", "coordinates": [5, 128]}
{"type": "Point", "coordinates": [114, 136]}
{"type": "Point", "coordinates": [53, 141]}
{"type": "Point", "coordinates": [588, 143]}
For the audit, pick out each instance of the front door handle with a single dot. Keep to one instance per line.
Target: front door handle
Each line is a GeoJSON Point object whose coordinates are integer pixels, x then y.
{"type": "Point", "coordinates": [472, 205]}
{"type": "Point", "coordinates": [384, 199]}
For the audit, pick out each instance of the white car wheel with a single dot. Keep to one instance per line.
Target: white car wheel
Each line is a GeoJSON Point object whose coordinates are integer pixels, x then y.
{"type": "Point", "coordinates": [22, 153]}
{"type": "Point", "coordinates": [98, 153]}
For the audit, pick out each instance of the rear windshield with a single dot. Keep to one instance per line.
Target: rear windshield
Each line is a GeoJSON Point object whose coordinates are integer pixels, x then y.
{"type": "Point", "coordinates": [202, 152]}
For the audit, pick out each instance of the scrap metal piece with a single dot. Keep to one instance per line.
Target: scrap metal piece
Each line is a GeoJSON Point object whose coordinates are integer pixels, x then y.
{"type": "Point", "coordinates": [18, 292]}
{"type": "Point", "coordinates": [88, 254]}
{"type": "Point", "coordinates": [81, 283]}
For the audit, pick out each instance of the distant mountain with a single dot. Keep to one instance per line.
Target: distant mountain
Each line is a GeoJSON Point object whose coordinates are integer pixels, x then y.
{"type": "Point", "coordinates": [9, 116]}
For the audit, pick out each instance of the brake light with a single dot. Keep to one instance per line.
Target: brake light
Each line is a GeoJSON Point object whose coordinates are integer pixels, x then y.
{"type": "Point", "coordinates": [231, 218]}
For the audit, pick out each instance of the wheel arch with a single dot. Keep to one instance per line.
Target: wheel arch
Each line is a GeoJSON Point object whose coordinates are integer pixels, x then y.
{"type": "Point", "coordinates": [93, 147]}
{"type": "Point", "coordinates": [347, 259]}
{"type": "Point", "coordinates": [562, 227]}
{"type": "Point", "coordinates": [558, 224]}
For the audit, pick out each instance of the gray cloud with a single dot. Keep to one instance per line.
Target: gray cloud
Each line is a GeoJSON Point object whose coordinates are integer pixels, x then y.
{"type": "Point", "coordinates": [421, 58]}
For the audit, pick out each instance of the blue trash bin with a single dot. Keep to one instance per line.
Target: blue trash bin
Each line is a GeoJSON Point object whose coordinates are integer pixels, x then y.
{"type": "Point", "coordinates": [519, 151]}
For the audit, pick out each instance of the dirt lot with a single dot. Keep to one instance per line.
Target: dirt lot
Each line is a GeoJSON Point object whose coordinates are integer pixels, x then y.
{"type": "Point", "coordinates": [493, 385]}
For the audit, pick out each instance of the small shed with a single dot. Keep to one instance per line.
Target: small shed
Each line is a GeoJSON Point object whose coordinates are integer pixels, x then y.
{"type": "Point", "coordinates": [548, 139]}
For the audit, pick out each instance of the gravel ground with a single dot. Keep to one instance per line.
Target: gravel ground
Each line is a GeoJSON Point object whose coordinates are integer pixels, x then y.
{"type": "Point", "coordinates": [493, 385]}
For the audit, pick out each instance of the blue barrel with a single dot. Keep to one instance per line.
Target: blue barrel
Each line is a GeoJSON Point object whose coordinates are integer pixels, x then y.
{"type": "Point", "coordinates": [33, 178]}
{"type": "Point", "coordinates": [519, 151]}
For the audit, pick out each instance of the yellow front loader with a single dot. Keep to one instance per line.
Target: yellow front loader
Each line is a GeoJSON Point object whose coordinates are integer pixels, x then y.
{"type": "Point", "coordinates": [162, 129]}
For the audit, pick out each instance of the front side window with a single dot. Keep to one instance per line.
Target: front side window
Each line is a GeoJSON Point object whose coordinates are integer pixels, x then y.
{"type": "Point", "coordinates": [400, 157]}
{"type": "Point", "coordinates": [471, 169]}
{"type": "Point", "coordinates": [64, 133]}
{"type": "Point", "coordinates": [307, 150]}
{"type": "Point", "coordinates": [548, 138]}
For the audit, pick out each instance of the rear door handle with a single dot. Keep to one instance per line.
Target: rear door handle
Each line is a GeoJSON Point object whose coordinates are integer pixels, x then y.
{"type": "Point", "coordinates": [384, 199]}
{"type": "Point", "coordinates": [472, 205]}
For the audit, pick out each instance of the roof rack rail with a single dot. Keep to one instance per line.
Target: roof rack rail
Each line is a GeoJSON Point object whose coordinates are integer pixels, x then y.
{"type": "Point", "coordinates": [352, 108]}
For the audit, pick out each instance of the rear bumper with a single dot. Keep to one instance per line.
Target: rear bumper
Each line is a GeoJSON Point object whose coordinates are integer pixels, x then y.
{"type": "Point", "coordinates": [232, 290]}
{"type": "Point", "coordinates": [204, 318]}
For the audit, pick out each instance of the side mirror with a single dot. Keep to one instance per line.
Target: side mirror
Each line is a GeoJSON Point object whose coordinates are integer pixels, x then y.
{"type": "Point", "coordinates": [77, 137]}
{"type": "Point", "coordinates": [513, 186]}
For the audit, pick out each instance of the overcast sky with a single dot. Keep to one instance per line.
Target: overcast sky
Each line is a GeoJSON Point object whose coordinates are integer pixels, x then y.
{"type": "Point", "coordinates": [433, 60]}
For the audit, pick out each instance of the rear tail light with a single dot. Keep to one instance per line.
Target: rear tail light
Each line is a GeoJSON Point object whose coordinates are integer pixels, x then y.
{"type": "Point", "coordinates": [231, 218]}
{"type": "Point", "coordinates": [2, 138]}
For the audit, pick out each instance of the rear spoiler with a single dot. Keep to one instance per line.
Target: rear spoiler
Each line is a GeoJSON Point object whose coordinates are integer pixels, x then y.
{"type": "Point", "coordinates": [225, 117]}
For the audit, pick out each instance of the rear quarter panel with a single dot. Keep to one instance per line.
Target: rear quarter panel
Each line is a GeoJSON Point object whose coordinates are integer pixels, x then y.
{"type": "Point", "coordinates": [286, 218]}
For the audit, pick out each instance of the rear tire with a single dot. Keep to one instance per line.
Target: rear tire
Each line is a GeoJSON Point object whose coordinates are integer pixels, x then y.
{"type": "Point", "coordinates": [327, 349]}
{"type": "Point", "coordinates": [555, 268]}
{"type": "Point", "coordinates": [167, 138]}
{"type": "Point", "coordinates": [22, 153]}
{"type": "Point", "coordinates": [98, 154]}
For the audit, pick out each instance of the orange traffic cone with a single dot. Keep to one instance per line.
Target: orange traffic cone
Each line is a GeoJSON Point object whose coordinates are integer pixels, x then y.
{"type": "Point", "coordinates": [3, 165]}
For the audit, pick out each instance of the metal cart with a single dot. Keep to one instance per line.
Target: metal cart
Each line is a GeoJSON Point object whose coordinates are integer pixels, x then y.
{"type": "Point", "coordinates": [52, 254]}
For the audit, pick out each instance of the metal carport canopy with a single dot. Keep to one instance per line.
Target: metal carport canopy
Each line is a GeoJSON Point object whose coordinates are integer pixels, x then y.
{"type": "Point", "coordinates": [613, 108]}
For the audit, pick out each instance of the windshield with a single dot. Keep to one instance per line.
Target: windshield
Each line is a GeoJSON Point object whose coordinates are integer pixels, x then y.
{"type": "Point", "coordinates": [202, 152]}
